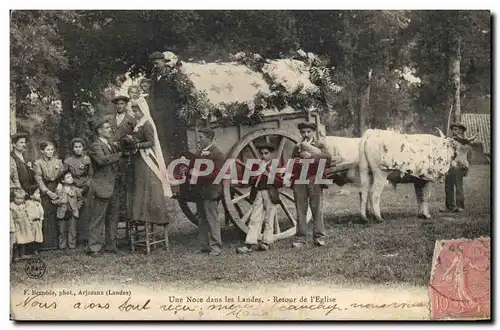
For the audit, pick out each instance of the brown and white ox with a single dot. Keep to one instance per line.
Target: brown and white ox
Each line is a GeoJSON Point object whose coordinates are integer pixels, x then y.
{"type": "Point", "coordinates": [406, 158]}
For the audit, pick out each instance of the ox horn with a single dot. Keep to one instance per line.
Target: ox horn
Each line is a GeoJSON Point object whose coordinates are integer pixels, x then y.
{"type": "Point", "coordinates": [441, 134]}
{"type": "Point", "coordinates": [472, 138]}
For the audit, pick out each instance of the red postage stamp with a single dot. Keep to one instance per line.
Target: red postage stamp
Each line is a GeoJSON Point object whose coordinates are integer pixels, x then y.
{"type": "Point", "coordinates": [459, 287]}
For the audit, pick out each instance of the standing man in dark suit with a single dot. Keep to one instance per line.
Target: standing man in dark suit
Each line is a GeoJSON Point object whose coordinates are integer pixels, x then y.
{"type": "Point", "coordinates": [122, 125]}
{"type": "Point", "coordinates": [311, 193]}
{"type": "Point", "coordinates": [166, 102]}
{"type": "Point", "coordinates": [209, 193]}
{"type": "Point", "coordinates": [22, 165]}
{"type": "Point", "coordinates": [103, 193]}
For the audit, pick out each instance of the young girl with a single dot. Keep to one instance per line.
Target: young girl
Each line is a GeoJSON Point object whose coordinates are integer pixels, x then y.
{"type": "Point", "coordinates": [47, 169]}
{"type": "Point", "coordinates": [136, 98]}
{"type": "Point", "coordinates": [80, 166]}
{"type": "Point", "coordinates": [23, 233]}
{"type": "Point", "coordinates": [35, 215]}
{"type": "Point", "coordinates": [69, 201]}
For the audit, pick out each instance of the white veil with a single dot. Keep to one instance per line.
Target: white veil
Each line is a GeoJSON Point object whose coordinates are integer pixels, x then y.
{"type": "Point", "coordinates": [153, 156]}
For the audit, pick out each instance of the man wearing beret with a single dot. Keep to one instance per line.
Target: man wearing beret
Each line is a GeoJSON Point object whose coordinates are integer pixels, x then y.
{"type": "Point", "coordinates": [309, 148]}
{"type": "Point", "coordinates": [265, 198]}
{"type": "Point", "coordinates": [122, 123]}
{"type": "Point", "coordinates": [454, 181]}
{"type": "Point", "coordinates": [208, 193]}
{"type": "Point", "coordinates": [103, 194]}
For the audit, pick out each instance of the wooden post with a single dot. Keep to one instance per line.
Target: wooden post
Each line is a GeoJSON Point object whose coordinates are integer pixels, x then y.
{"type": "Point", "coordinates": [363, 105]}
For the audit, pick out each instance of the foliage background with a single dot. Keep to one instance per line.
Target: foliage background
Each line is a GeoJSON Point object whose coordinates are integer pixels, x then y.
{"type": "Point", "coordinates": [73, 56]}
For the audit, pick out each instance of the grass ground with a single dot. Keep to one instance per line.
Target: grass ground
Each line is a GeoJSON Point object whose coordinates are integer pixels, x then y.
{"type": "Point", "coordinates": [397, 251]}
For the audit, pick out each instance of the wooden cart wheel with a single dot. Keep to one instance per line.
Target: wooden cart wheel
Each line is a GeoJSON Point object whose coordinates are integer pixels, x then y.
{"type": "Point", "coordinates": [189, 209]}
{"type": "Point", "coordinates": [236, 196]}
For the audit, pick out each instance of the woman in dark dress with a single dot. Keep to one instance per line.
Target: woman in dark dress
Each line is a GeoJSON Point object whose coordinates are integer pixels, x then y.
{"type": "Point", "coordinates": [149, 187]}
{"type": "Point", "coordinates": [47, 170]}
{"type": "Point", "coordinates": [80, 166]}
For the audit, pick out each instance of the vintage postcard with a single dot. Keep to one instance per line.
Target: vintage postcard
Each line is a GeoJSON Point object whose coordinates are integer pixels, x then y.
{"type": "Point", "coordinates": [250, 165]}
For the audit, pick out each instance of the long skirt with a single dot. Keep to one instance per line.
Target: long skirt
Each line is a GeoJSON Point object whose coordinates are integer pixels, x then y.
{"type": "Point", "coordinates": [145, 195]}
{"type": "Point", "coordinates": [50, 230]}
{"type": "Point", "coordinates": [24, 230]}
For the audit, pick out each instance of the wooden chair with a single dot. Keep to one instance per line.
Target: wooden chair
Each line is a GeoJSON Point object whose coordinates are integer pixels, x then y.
{"type": "Point", "coordinates": [146, 235]}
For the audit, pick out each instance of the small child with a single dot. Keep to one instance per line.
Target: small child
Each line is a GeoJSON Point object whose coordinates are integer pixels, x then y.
{"type": "Point", "coordinates": [264, 207]}
{"type": "Point", "coordinates": [23, 233]}
{"type": "Point", "coordinates": [69, 201]}
{"type": "Point", "coordinates": [35, 214]}
{"type": "Point", "coordinates": [136, 98]}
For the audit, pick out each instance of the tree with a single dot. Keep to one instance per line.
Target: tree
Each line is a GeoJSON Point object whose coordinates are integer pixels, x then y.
{"type": "Point", "coordinates": [449, 45]}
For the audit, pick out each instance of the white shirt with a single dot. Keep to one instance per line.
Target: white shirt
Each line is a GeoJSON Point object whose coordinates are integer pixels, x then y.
{"type": "Point", "coordinates": [119, 118]}
{"type": "Point", "coordinates": [105, 141]}
{"type": "Point", "coordinates": [20, 155]}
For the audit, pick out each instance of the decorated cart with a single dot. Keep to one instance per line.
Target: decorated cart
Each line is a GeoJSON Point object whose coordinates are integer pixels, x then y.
{"type": "Point", "coordinates": [246, 101]}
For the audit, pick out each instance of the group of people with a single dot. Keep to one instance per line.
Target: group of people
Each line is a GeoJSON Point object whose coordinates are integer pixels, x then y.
{"type": "Point", "coordinates": [56, 203]}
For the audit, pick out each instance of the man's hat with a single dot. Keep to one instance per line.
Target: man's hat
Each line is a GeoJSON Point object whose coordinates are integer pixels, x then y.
{"type": "Point", "coordinates": [207, 131]}
{"type": "Point", "coordinates": [307, 125]}
{"type": "Point", "coordinates": [98, 122]}
{"type": "Point", "coordinates": [18, 136]}
{"type": "Point", "coordinates": [458, 125]}
{"type": "Point", "coordinates": [121, 97]}
{"type": "Point", "coordinates": [156, 56]}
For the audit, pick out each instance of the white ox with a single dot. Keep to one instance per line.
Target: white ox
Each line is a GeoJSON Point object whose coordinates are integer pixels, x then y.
{"type": "Point", "coordinates": [405, 158]}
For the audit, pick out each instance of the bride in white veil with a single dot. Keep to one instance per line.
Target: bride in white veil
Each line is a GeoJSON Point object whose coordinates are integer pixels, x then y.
{"type": "Point", "coordinates": [150, 184]}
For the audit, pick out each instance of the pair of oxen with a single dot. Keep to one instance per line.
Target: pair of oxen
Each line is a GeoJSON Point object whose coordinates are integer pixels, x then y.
{"type": "Point", "coordinates": [380, 156]}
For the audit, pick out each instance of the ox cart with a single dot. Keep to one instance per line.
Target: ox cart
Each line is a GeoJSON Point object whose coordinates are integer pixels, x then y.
{"type": "Point", "coordinates": [233, 84]}
{"type": "Point", "coordinates": [239, 143]}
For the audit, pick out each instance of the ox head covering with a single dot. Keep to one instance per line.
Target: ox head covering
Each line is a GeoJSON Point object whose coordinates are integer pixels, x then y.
{"type": "Point", "coordinates": [307, 125]}
{"type": "Point", "coordinates": [121, 97]}
{"type": "Point", "coordinates": [207, 131]}
{"type": "Point", "coordinates": [458, 125]}
{"type": "Point", "coordinates": [156, 56]}
{"type": "Point", "coordinates": [267, 146]}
